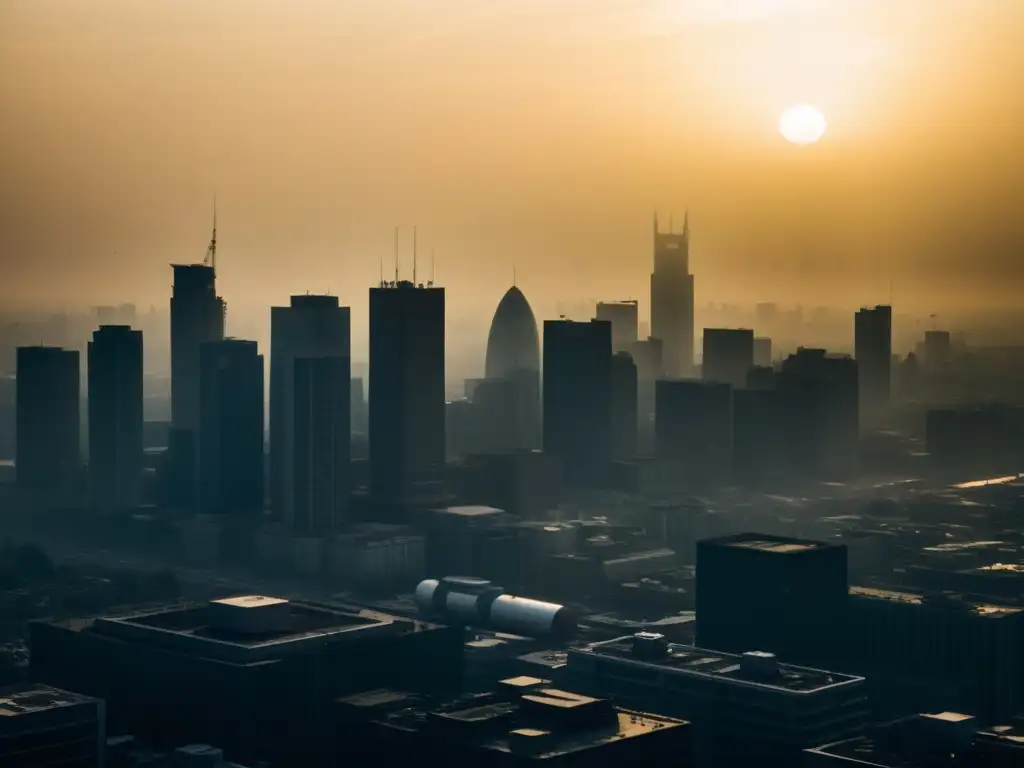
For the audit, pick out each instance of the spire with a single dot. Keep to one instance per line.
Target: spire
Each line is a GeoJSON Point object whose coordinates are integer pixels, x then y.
{"type": "Point", "coordinates": [686, 222]}
{"type": "Point", "coordinates": [211, 249]}
{"type": "Point", "coordinates": [655, 223]}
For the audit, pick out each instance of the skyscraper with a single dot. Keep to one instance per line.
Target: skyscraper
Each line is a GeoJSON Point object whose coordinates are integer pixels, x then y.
{"type": "Point", "coordinates": [115, 418]}
{"type": "Point", "coordinates": [407, 396]}
{"type": "Point", "coordinates": [672, 299]}
{"type": "Point", "coordinates": [231, 431]}
{"type": "Point", "coordinates": [693, 426]}
{"type": "Point", "coordinates": [47, 455]}
{"type": "Point", "coordinates": [873, 351]}
{"type": "Point", "coordinates": [623, 315]}
{"type": "Point", "coordinates": [728, 355]}
{"type": "Point", "coordinates": [577, 396]}
{"type": "Point", "coordinates": [310, 413]}
{"type": "Point", "coordinates": [197, 317]}
{"type": "Point", "coordinates": [513, 354]}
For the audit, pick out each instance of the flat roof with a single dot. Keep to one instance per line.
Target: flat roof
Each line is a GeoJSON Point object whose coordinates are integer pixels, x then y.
{"type": "Point", "coordinates": [986, 609]}
{"type": "Point", "coordinates": [699, 662]}
{"type": "Point", "coordinates": [471, 510]}
{"type": "Point", "coordinates": [29, 698]}
{"type": "Point", "coordinates": [531, 712]}
{"type": "Point", "coordinates": [186, 628]}
{"type": "Point", "coordinates": [766, 543]}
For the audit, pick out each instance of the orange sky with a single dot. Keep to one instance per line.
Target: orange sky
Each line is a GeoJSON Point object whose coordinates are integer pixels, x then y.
{"type": "Point", "coordinates": [539, 133]}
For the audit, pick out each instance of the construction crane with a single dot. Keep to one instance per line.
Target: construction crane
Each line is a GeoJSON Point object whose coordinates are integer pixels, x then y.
{"type": "Point", "coordinates": [210, 260]}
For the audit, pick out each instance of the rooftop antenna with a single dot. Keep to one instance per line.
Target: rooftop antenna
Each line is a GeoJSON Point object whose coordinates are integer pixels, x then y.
{"type": "Point", "coordinates": [414, 254]}
{"type": "Point", "coordinates": [431, 267]}
{"type": "Point", "coordinates": [382, 270]}
{"type": "Point", "coordinates": [211, 250]}
{"type": "Point", "coordinates": [396, 255]}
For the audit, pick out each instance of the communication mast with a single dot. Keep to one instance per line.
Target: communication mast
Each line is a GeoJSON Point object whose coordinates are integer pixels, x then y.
{"type": "Point", "coordinates": [210, 260]}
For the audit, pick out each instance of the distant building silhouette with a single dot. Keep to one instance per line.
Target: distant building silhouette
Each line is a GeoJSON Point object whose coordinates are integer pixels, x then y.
{"type": "Point", "coordinates": [577, 396]}
{"type": "Point", "coordinates": [728, 355]}
{"type": "Point", "coordinates": [115, 418]}
{"type": "Point", "coordinates": [624, 422]}
{"type": "Point", "coordinates": [623, 315]}
{"type": "Point", "coordinates": [513, 354]}
{"type": "Point", "coordinates": [231, 435]}
{"type": "Point", "coordinates": [672, 299]}
{"type": "Point", "coordinates": [407, 395]}
{"type": "Point", "coordinates": [310, 413]}
{"type": "Point", "coordinates": [693, 426]}
{"type": "Point", "coordinates": [873, 351]}
{"type": "Point", "coordinates": [47, 450]}
{"type": "Point", "coordinates": [762, 351]}
{"type": "Point", "coordinates": [819, 395]}
{"type": "Point", "coordinates": [197, 317]}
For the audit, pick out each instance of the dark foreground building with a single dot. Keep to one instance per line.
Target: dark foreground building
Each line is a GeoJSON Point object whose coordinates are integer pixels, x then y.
{"type": "Point", "coordinates": [254, 675]}
{"type": "Point", "coordinates": [524, 722]}
{"type": "Point", "coordinates": [43, 727]}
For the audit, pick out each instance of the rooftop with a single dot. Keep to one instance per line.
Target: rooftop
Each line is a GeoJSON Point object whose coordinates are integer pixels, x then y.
{"type": "Point", "coordinates": [913, 742]}
{"type": "Point", "coordinates": [993, 610]}
{"type": "Point", "coordinates": [699, 662]}
{"type": "Point", "coordinates": [205, 630]}
{"type": "Point", "coordinates": [526, 715]}
{"type": "Point", "coordinates": [27, 698]}
{"type": "Point", "coordinates": [767, 543]}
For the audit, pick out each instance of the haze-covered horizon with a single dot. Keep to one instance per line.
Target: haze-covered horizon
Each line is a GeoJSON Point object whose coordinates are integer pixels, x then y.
{"type": "Point", "coordinates": [528, 136]}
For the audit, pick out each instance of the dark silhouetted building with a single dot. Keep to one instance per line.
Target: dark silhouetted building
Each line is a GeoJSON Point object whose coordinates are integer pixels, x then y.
{"type": "Point", "coordinates": [672, 300]}
{"type": "Point", "coordinates": [513, 355]}
{"type": "Point", "coordinates": [728, 355]}
{"type": "Point", "coordinates": [310, 413]}
{"type": "Point", "coordinates": [197, 317]}
{"type": "Point", "coordinates": [578, 396]}
{"type": "Point", "coordinates": [820, 406]}
{"type": "Point", "coordinates": [231, 434]}
{"type": "Point", "coordinates": [360, 415]}
{"type": "Point", "coordinates": [745, 709]}
{"type": "Point", "coordinates": [873, 351]}
{"type": "Point", "coordinates": [624, 406]}
{"type": "Point", "coordinates": [255, 675]}
{"type": "Point", "coordinates": [759, 432]}
{"type": "Point", "coordinates": [407, 396]}
{"type": "Point", "coordinates": [947, 739]}
{"type": "Point", "coordinates": [693, 426]}
{"type": "Point", "coordinates": [47, 414]}
{"type": "Point", "coordinates": [524, 722]}
{"type": "Point", "coordinates": [937, 348]}
{"type": "Point", "coordinates": [115, 418]}
{"type": "Point", "coordinates": [762, 351]}
{"type": "Point", "coordinates": [44, 727]}
{"type": "Point", "coordinates": [781, 595]}
{"type": "Point", "coordinates": [624, 317]}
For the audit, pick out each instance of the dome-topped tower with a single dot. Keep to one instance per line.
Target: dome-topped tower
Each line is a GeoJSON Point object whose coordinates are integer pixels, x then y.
{"type": "Point", "coordinates": [512, 344]}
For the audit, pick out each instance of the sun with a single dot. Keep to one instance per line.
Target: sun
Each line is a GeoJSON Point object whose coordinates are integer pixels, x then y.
{"type": "Point", "coordinates": [802, 124]}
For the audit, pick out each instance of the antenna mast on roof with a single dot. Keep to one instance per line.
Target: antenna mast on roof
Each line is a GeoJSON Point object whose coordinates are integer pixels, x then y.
{"type": "Point", "coordinates": [396, 255]}
{"type": "Point", "coordinates": [414, 254]}
{"type": "Point", "coordinates": [431, 267]}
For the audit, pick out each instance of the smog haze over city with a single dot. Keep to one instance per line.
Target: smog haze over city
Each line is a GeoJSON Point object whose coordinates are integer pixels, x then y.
{"type": "Point", "coordinates": [574, 383]}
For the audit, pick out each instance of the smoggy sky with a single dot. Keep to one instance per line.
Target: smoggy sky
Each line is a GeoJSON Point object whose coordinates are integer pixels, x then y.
{"type": "Point", "coordinates": [539, 133]}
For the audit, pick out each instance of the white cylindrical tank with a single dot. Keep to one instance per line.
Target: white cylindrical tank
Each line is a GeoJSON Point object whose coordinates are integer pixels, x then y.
{"type": "Point", "coordinates": [523, 615]}
{"type": "Point", "coordinates": [424, 596]}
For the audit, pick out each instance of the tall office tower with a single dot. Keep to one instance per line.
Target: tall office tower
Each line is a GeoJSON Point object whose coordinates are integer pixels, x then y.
{"type": "Point", "coordinates": [197, 317]}
{"type": "Point", "coordinates": [115, 418]}
{"type": "Point", "coordinates": [360, 417]}
{"type": "Point", "coordinates": [693, 426]}
{"type": "Point", "coordinates": [873, 351]}
{"type": "Point", "coordinates": [513, 353]}
{"type": "Point", "coordinates": [623, 315]}
{"type": "Point", "coordinates": [758, 430]}
{"type": "Point", "coordinates": [647, 355]}
{"type": "Point", "coordinates": [231, 432]}
{"type": "Point", "coordinates": [728, 355]}
{"type": "Point", "coordinates": [937, 348]}
{"type": "Point", "coordinates": [310, 413]}
{"type": "Point", "coordinates": [762, 351]}
{"type": "Point", "coordinates": [625, 401]}
{"type": "Point", "coordinates": [47, 413]}
{"type": "Point", "coordinates": [820, 407]}
{"type": "Point", "coordinates": [577, 397]}
{"type": "Point", "coordinates": [407, 397]}
{"type": "Point", "coordinates": [672, 299]}
{"type": "Point", "coordinates": [781, 595]}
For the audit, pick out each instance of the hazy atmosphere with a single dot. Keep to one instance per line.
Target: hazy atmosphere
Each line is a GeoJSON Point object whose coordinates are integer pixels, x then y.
{"type": "Point", "coordinates": [535, 135]}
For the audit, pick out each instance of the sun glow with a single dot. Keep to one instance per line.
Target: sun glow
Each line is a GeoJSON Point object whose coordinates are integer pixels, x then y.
{"type": "Point", "coordinates": [802, 124]}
